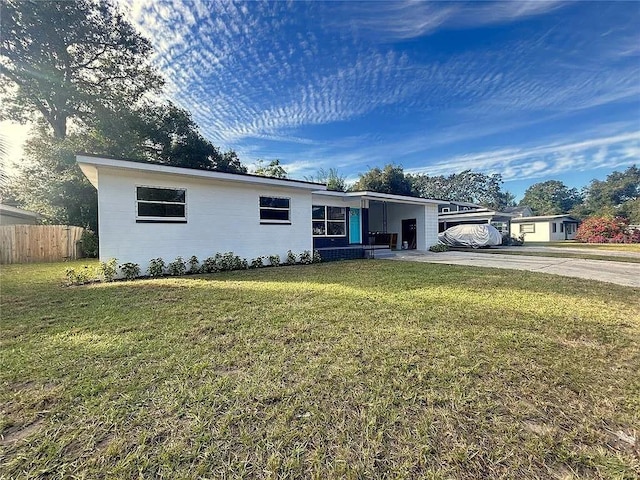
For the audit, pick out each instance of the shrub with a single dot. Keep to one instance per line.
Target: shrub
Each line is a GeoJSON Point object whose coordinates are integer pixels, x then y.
{"type": "Point", "coordinates": [306, 258]}
{"type": "Point", "coordinates": [88, 244]}
{"type": "Point", "coordinates": [606, 230]}
{"type": "Point", "coordinates": [316, 257]}
{"type": "Point", "coordinates": [130, 270]}
{"type": "Point", "coordinates": [177, 267]}
{"type": "Point", "coordinates": [108, 270]}
{"type": "Point", "coordinates": [78, 277]}
{"type": "Point", "coordinates": [229, 261]}
{"type": "Point", "coordinates": [156, 267]}
{"type": "Point", "coordinates": [256, 263]}
{"type": "Point", "coordinates": [439, 247]}
{"type": "Point", "coordinates": [510, 240]}
{"type": "Point", "coordinates": [291, 258]}
{"type": "Point", "coordinates": [194, 265]}
{"type": "Point", "coordinates": [274, 260]}
{"type": "Point", "coordinates": [210, 265]}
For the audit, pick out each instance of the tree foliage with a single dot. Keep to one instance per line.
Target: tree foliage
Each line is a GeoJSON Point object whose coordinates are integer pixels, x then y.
{"type": "Point", "coordinates": [66, 60]}
{"type": "Point", "coordinates": [606, 230]}
{"type": "Point", "coordinates": [617, 195]}
{"type": "Point", "coordinates": [331, 178]}
{"type": "Point", "coordinates": [272, 169]}
{"type": "Point", "coordinates": [391, 179]}
{"type": "Point", "coordinates": [550, 198]}
{"type": "Point", "coordinates": [466, 186]}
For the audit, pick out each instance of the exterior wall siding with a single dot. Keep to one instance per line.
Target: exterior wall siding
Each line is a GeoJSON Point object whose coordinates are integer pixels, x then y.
{"type": "Point", "coordinates": [541, 234]}
{"type": "Point", "coordinates": [221, 217]}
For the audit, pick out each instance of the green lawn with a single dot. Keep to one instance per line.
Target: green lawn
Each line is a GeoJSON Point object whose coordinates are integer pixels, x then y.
{"type": "Point", "coordinates": [361, 369]}
{"type": "Point", "coordinates": [525, 251]}
{"type": "Point", "coordinates": [620, 247]}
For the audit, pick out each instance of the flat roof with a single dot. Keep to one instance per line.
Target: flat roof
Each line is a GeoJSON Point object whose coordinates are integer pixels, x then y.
{"type": "Point", "coordinates": [89, 164]}
{"type": "Point", "coordinates": [17, 212]}
{"type": "Point", "coordinates": [542, 218]}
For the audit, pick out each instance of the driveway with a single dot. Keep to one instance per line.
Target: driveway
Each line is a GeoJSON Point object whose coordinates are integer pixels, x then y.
{"type": "Point", "coordinates": [621, 273]}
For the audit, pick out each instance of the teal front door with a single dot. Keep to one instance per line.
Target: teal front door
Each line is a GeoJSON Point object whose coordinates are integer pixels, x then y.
{"type": "Point", "coordinates": [354, 226]}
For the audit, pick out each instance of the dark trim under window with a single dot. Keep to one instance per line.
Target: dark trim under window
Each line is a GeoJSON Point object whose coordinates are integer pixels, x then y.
{"type": "Point", "coordinates": [329, 221]}
{"type": "Point", "coordinates": [161, 205]}
{"type": "Point", "coordinates": [275, 210]}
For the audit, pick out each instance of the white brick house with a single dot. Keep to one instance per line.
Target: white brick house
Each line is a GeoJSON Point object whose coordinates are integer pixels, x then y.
{"type": "Point", "coordinates": [147, 210]}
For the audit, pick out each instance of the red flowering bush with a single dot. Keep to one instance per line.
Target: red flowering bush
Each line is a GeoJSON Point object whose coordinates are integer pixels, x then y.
{"type": "Point", "coordinates": [606, 230]}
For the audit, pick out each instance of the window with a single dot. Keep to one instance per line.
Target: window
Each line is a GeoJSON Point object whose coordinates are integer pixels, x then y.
{"type": "Point", "coordinates": [445, 210]}
{"type": "Point", "coordinates": [527, 228]}
{"type": "Point", "coordinates": [561, 227]}
{"type": "Point", "coordinates": [156, 204]}
{"type": "Point", "coordinates": [275, 210]}
{"type": "Point", "coordinates": [329, 221]}
{"type": "Point", "coordinates": [553, 228]}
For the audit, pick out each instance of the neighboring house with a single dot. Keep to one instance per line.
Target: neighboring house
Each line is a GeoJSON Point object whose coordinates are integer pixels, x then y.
{"type": "Point", "coordinates": [524, 211]}
{"type": "Point", "coordinates": [17, 216]}
{"type": "Point", "coordinates": [549, 228]}
{"type": "Point", "coordinates": [451, 214]}
{"type": "Point", "coordinates": [147, 210]}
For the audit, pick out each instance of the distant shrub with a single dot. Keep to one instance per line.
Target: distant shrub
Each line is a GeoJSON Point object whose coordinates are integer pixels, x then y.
{"type": "Point", "coordinates": [274, 260]}
{"type": "Point", "coordinates": [156, 267]}
{"type": "Point", "coordinates": [130, 270]}
{"type": "Point", "coordinates": [194, 265]}
{"type": "Point", "coordinates": [291, 258]}
{"type": "Point", "coordinates": [256, 263]}
{"type": "Point", "coordinates": [89, 244]}
{"type": "Point", "coordinates": [80, 276]}
{"type": "Point", "coordinates": [108, 270]}
{"type": "Point", "coordinates": [210, 264]}
{"type": "Point", "coordinates": [177, 267]}
{"type": "Point", "coordinates": [316, 257]}
{"type": "Point", "coordinates": [512, 241]}
{"type": "Point", "coordinates": [439, 247]}
{"type": "Point", "coordinates": [606, 230]}
{"type": "Point", "coordinates": [306, 257]}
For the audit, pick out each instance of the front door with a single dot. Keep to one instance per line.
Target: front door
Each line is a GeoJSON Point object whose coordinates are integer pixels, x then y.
{"type": "Point", "coordinates": [409, 233]}
{"type": "Point", "coordinates": [354, 226]}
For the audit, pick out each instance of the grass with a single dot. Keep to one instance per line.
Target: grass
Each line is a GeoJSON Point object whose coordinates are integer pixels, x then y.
{"type": "Point", "coordinates": [362, 369]}
{"type": "Point", "coordinates": [620, 247]}
{"type": "Point", "coordinates": [586, 256]}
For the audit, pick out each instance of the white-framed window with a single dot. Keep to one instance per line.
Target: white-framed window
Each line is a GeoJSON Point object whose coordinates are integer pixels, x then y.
{"type": "Point", "coordinates": [161, 204]}
{"type": "Point", "coordinates": [554, 227]}
{"type": "Point", "coordinates": [275, 210]}
{"type": "Point", "coordinates": [527, 228]}
{"type": "Point", "coordinates": [329, 221]}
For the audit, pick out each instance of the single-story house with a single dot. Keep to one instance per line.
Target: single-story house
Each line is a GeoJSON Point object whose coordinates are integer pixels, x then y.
{"type": "Point", "coordinates": [451, 214]}
{"type": "Point", "coordinates": [549, 228]}
{"type": "Point", "coordinates": [16, 216]}
{"type": "Point", "coordinates": [147, 210]}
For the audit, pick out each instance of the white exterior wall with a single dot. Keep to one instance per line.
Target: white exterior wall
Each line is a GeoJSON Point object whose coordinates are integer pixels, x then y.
{"type": "Point", "coordinates": [541, 234]}
{"type": "Point", "coordinates": [221, 217]}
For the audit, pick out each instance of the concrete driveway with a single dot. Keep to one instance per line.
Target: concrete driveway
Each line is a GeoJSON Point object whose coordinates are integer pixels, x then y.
{"type": "Point", "coordinates": [621, 273]}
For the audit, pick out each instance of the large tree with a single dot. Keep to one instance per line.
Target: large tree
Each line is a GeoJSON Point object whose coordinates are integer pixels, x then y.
{"type": "Point", "coordinates": [617, 195]}
{"type": "Point", "coordinates": [390, 179]}
{"type": "Point", "coordinates": [550, 198]}
{"type": "Point", "coordinates": [272, 169]}
{"type": "Point", "coordinates": [331, 178]}
{"type": "Point", "coordinates": [466, 186]}
{"type": "Point", "coordinates": [66, 59]}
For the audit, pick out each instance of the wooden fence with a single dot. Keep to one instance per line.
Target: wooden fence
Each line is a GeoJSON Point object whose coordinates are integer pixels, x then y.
{"type": "Point", "coordinates": [39, 243]}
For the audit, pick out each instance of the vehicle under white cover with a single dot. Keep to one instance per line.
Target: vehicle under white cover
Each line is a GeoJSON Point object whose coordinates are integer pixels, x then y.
{"type": "Point", "coordinates": [474, 236]}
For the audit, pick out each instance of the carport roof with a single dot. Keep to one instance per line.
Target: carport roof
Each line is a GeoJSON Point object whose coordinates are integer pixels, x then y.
{"type": "Point", "coordinates": [380, 197]}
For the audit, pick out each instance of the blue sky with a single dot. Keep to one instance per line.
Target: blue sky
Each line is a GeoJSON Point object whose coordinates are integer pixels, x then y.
{"type": "Point", "coordinates": [531, 90]}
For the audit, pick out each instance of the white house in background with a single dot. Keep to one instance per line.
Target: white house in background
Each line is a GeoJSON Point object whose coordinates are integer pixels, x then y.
{"type": "Point", "coordinates": [148, 210]}
{"type": "Point", "coordinates": [550, 228]}
{"type": "Point", "coordinates": [451, 214]}
{"type": "Point", "coordinates": [17, 216]}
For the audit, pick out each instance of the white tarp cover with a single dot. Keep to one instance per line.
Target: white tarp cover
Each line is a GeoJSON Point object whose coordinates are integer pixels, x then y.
{"type": "Point", "coordinates": [474, 236]}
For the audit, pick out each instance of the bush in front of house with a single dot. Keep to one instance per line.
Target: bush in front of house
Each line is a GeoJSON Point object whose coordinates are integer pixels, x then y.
{"type": "Point", "coordinates": [512, 240]}
{"type": "Point", "coordinates": [79, 277]}
{"type": "Point", "coordinates": [156, 267]}
{"type": "Point", "coordinates": [194, 265]}
{"type": "Point", "coordinates": [130, 270]}
{"type": "Point", "coordinates": [108, 270]}
{"type": "Point", "coordinates": [177, 268]}
{"type": "Point", "coordinates": [439, 247]}
{"type": "Point", "coordinates": [606, 230]}
{"type": "Point", "coordinates": [274, 260]}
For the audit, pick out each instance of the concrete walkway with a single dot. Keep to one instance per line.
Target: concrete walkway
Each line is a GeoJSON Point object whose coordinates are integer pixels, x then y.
{"type": "Point", "coordinates": [621, 273]}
